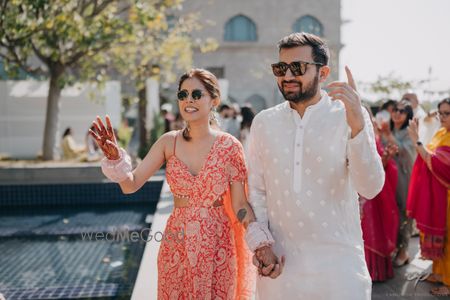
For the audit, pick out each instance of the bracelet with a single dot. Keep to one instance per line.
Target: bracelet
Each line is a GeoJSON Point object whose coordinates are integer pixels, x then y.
{"type": "Point", "coordinates": [117, 170]}
{"type": "Point", "coordinates": [257, 236]}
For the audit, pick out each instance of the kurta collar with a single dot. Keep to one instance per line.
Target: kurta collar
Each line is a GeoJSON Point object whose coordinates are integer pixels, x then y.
{"type": "Point", "coordinates": [323, 100]}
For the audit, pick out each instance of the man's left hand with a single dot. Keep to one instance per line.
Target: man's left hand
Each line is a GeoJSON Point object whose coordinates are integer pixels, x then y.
{"type": "Point", "coordinates": [346, 92]}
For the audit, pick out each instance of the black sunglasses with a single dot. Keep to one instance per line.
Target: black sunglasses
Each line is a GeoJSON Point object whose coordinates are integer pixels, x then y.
{"type": "Point", "coordinates": [298, 68]}
{"type": "Point", "coordinates": [184, 94]}
{"type": "Point", "coordinates": [402, 110]}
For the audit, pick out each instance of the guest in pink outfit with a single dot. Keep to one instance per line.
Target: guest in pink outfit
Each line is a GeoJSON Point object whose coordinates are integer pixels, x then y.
{"type": "Point", "coordinates": [379, 216]}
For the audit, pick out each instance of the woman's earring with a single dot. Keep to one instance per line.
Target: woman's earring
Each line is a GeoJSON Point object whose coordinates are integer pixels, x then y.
{"type": "Point", "coordinates": [213, 117]}
{"type": "Point", "coordinates": [186, 125]}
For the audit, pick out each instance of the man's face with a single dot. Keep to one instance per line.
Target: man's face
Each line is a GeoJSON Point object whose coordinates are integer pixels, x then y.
{"type": "Point", "coordinates": [298, 88]}
{"type": "Point", "coordinates": [225, 113]}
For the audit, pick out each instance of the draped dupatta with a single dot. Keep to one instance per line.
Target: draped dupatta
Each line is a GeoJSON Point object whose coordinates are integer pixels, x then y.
{"type": "Point", "coordinates": [428, 195]}
{"type": "Point", "coordinates": [246, 271]}
{"type": "Point", "coordinates": [380, 215]}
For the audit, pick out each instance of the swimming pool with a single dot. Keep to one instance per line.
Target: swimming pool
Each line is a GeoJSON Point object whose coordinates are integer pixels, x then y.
{"type": "Point", "coordinates": [72, 240]}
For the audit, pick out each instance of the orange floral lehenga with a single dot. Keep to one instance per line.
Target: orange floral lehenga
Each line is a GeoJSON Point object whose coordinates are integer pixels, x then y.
{"type": "Point", "coordinates": [203, 254]}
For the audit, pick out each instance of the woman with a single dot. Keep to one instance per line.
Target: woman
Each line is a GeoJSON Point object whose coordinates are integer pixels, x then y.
{"type": "Point", "coordinates": [70, 149]}
{"type": "Point", "coordinates": [397, 134]}
{"type": "Point", "coordinates": [379, 216]}
{"type": "Point", "coordinates": [207, 175]}
{"type": "Point", "coordinates": [429, 198]}
{"type": "Point", "coordinates": [380, 220]}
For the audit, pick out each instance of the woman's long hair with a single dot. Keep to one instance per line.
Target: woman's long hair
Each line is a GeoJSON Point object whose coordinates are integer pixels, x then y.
{"type": "Point", "coordinates": [409, 114]}
{"type": "Point", "coordinates": [210, 83]}
{"type": "Point", "coordinates": [247, 114]}
{"type": "Point", "coordinates": [67, 131]}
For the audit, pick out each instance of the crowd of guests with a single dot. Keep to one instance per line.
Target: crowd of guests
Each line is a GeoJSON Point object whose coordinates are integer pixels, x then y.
{"type": "Point", "coordinates": [415, 150]}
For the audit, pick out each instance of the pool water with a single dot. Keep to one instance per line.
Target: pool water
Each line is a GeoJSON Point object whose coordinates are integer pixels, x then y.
{"type": "Point", "coordinates": [61, 251]}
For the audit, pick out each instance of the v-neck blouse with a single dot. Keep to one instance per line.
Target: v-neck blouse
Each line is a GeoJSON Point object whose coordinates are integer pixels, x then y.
{"type": "Point", "coordinates": [224, 164]}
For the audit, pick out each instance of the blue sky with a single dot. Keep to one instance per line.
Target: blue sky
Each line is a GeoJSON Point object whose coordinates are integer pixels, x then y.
{"type": "Point", "coordinates": [405, 37]}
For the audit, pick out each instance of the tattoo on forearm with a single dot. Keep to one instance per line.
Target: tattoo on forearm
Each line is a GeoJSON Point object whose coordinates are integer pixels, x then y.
{"type": "Point", "coordinates": [241, 214]}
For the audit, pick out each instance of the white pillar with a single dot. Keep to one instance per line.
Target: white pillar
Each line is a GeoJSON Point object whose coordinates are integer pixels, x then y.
{"type": "Point", "coordinates": [113, 103]}
{"type": "Point", "coordinates": [152, 94]}
{"type": "Point", "coordinates": [224, 86]}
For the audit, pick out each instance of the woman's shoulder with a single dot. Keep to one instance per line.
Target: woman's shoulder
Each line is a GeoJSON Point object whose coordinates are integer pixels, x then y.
{"type": "Point", "coordinates": [230, 145]}
{"type": "Point", "coordinates": [228, 138]}
{"type": "Point", "coordinates": [168, 138]}
{"type": "Point", "coordinates": [170, 135]}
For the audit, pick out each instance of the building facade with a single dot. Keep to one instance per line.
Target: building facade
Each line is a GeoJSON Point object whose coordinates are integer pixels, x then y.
{"type": "Point", "coordinates": [247, 33]}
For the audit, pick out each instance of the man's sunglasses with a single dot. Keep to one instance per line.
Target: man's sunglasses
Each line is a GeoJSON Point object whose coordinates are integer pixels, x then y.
{"type": "Point", "coordinates": [184, 94]}
{"type": "Point", "coordinates": [400, 110]}
{"type": "Point", "coordinates": [298, 68]}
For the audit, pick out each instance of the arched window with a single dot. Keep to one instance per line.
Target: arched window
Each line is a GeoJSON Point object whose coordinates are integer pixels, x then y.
{"type": "Point", "coordinates": [308, 24]}
{"type": "Point", "coordinates": [240, 28]}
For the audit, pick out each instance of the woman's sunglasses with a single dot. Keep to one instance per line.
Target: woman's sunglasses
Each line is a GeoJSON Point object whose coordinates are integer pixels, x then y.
{"type": "Point", "coordinates": [400, 110]}
{"type": "Point", "coordinates": [298, 68]}
{"type": "Point", "coordinates": [184, 94]}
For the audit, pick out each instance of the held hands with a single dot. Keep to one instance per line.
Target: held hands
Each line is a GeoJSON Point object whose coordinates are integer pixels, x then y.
{"type": "Point", "coordinates": [346, 92]}
{"type": "Point", "coordinates": [268, 263]}
{"type": "Point", "coordinates": [106, 138]}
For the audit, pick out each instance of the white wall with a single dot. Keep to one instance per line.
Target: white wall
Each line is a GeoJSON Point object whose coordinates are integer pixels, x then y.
{"type": "Point", "coordinates": [22, 113]}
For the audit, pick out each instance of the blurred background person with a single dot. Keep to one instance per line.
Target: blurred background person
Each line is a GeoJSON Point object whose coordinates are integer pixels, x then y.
{"type": "Point", "coordinates": [70, 149]}
{"type": "Point", "coordinates": [429, 198]}
{"type": "Point", "coordinates": [428, 122]}
{"type": "Point", "coordinates": [169, 118]}
{"type": "Point", "coordinates": [384, 114]}
{"type": "Point", "coordinates": [228, 121]}
{"type": "Point", "coordinates": [379, 216]}
{"type": "Point", "coordinates": [247, 114]}
{"type": "Point", "coordinates": [395, 133]}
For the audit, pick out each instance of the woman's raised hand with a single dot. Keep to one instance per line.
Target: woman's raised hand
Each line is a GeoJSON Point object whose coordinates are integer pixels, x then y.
{"type": "Point", "coordinates": [105, 138]}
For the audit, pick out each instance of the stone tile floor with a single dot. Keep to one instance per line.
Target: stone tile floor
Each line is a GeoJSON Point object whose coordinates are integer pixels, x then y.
{"type": "Point", "coordinates": [401, 288]}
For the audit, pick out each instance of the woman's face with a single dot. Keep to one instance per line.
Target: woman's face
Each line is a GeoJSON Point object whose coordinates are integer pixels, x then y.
{"type": "Point", "coordinates": [444, 115]}
{"type": "Point", "coordinates": [194, 101]}
{"type": "Point", "coordinates": [399, 115]}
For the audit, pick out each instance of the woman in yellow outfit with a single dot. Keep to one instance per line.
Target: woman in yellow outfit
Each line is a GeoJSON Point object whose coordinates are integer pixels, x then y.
{"type": "Point", "coordinates": [429, 198]}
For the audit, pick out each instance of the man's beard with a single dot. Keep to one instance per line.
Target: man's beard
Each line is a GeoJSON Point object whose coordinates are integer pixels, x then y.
{"type": "Point", "coordinates": [304, 94]}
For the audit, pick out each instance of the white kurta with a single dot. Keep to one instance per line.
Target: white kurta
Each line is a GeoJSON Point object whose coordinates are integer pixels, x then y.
{"type": "Point", "coordinates": [304, 175]}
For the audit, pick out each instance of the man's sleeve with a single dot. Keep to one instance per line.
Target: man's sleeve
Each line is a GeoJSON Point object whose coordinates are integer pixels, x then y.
{"type": "Point", "coordinates": [257, 189]}
{"type": "Point", "coordinates": [364, 162]}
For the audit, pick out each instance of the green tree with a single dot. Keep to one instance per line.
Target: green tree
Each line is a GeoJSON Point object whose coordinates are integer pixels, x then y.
{"type": "Point", "coordinates": [391, 84]}
{"type": "Point", "coordinates": [74, 39]}
{"type": "Point", "coordinates": [161, 46]}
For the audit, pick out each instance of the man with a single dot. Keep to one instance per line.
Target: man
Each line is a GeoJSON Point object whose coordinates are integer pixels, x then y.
{"type": "Point", "coordinates": [227, 120]}
{"type": "Point", "coordinates": [428, 123]}
{"type": "Point", "coordinates": [308, 159]}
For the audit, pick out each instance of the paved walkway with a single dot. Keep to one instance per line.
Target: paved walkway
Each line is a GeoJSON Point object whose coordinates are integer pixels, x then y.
{"type": "Point", "coordinates": [397, 288]}
{"type": "Point", "coordinates": [401, 288]}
